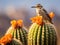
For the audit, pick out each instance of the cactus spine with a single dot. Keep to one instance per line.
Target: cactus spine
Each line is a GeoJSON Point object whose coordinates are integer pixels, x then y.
{"type": "Point", "coordinates": [18, 31]}
{"type": "Point", "coordinates": [41, 34]}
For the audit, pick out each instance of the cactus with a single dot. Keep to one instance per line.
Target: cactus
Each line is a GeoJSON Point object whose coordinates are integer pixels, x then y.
{"type": "Point", "coordinates": [9, 40]}
{"type": "Point", "coordinates": [15, 42]}
{"type": "Point", "coordinates": [41, 33]}
{"type": "Point", "coordinates": [18, 31]}
{"type": "Point", "coordinates": [5, 39]}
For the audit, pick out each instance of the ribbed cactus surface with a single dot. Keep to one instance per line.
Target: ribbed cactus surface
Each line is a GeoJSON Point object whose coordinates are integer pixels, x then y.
{"type": "Point", "coordinates": [42, 35]}
{"type": "Point", "coordinates": [14, 42]}
{"type": "Point", "coordinates": [18, 32]}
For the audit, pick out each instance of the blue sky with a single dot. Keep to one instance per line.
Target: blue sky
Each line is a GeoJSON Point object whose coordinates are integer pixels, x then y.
{"type": "Point", "coordinates": [48, 4]}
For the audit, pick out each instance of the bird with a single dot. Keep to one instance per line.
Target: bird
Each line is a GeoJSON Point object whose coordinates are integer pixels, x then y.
{"type": "Point", "coordinates": [42, 12]}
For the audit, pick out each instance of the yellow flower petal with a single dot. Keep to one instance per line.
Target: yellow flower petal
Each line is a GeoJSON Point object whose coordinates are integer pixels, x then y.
{"type": "Point", "coordinates": [14, 23]}
{"type": "Point", "coordinates": [37, 19]}
{"type": "Point", "coordinates": [20, 23]}
{"type": "Point", "coordinates": [51, 14]}
{"type": "Point", "coordinates": [6, 39]}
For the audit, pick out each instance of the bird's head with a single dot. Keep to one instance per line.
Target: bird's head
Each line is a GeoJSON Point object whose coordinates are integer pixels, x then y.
{"type": "Point", "coordinates": [37, 6]}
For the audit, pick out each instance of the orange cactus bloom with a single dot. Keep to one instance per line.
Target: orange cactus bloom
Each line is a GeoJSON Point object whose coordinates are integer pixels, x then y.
{"type": "Point", "coordinates": [33, 19]}
{"type": "Point", "coordinates": [2, 44]}
{"type": "Point", "coordinates": [17, 23]}
{"type": "Point", "coordinates": [14, 23]}
{"type": "Point", "coordinates": [20, 23]}
{"type": "Point", "coordinates": [37, 19]}
{"type": "Point", "coordinates": [6, 39]}
{"type": "Point", "coordinates": [51, 14]}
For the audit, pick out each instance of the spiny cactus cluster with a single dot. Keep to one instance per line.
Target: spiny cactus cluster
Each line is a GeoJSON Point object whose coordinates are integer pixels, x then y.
{"type": "Point", "coordinates": [18, 31]}
{"type": "Point", "coordinates": [41, 32]}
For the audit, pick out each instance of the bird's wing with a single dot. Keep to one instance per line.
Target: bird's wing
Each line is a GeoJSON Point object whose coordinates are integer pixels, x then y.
{"type": "Point", "coordinates": [45, 12]}
{"type": "Point", "coordinates": [46, 15]}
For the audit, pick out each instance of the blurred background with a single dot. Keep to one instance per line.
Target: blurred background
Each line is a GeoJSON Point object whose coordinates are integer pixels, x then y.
{"type": "Point", "coordinates": [21, 9]}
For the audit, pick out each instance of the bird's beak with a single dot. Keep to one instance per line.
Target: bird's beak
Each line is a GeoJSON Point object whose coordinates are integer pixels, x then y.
{"type": "Point", "coordinates": [33, 7]}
